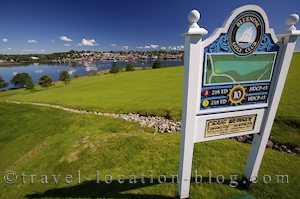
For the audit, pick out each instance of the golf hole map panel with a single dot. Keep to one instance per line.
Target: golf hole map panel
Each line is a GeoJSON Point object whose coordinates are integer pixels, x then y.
{"type": "Point", "coordinates": [239, 64]}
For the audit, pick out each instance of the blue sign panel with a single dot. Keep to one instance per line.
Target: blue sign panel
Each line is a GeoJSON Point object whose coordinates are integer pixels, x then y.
{"type": "Point", "coordinates": [239, 64]}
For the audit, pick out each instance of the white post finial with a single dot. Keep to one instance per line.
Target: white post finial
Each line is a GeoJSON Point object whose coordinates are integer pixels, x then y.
{"type": "Point", "coordinates": [194, 17]}
{"type": "Point", "coordinates": [194, 28]}
{"type": "Point", "coordinates": [291, 21]}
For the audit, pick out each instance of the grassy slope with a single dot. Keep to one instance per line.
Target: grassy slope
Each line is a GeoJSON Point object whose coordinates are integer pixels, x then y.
{"type": "Point", "coordinates": [155, 92]}
{"type": "Point", "coordinates": [289, 107]}
{"type": "Point", "coordinates": [86, 142]}
{"type": "Point", "coordinates": [147, 92]}
{"type": "Point", "coordinates": [286, 128]}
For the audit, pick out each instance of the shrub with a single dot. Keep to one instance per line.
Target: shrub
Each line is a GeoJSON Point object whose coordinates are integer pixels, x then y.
{"type": "Point", "coordinates": [30, 85]}
{"type": "Point", "coordinates": [64, 77]}
{"type": "Point", "coordinates": [114, 68]}
{"type": "Point", "coordinates": [130, 67]}
{"type": "Point", "coordinates": [3, 84]}
{"type": "Point", "coordinates": [45, 81]}
{"type": "Point", "coordinates": [20, 79]}
{"type": "Point", "coordinates": [156, 64]}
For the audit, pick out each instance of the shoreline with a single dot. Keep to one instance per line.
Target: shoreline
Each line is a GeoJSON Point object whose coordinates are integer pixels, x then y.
{"type": "Point", "coordinates": [72, 63]}
{"type": "Point", "coordinates": [11, 64]}
{"type": "Point", "coordinates": [97, 73]}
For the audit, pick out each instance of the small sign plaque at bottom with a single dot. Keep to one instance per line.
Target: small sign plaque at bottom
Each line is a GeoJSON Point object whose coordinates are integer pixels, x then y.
{"type": "Point", "coordinates": [228, 125]}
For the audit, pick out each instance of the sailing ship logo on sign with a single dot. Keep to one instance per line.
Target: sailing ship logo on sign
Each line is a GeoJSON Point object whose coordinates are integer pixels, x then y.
{"type": "Point", "coordinates": [246, 33]}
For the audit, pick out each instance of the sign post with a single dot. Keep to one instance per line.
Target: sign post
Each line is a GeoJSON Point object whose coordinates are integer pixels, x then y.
{"type": "Point", "coordinates": [193, 45]}
{"type": "Point", "coordinates": [233, 81]}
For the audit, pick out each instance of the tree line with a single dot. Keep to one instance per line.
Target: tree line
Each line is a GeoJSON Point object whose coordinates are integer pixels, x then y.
{"type": "Point", "coordinates": [130, 67]}
{"type": "Point", "coordinates": [23, 80]}
{"type": "Point", "coordinates": [42, 57]}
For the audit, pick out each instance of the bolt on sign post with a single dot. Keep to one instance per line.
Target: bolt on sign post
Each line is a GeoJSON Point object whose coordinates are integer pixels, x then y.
{"type": "Point", "coordinates": [233, 81]}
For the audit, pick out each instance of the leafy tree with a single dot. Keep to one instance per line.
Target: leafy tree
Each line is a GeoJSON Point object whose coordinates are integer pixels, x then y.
{"type": "Point", "coordinates": [30, 85]}
{"type": "Point", "coordinates": [20, 79]}
{"type": "Point", "coordinates": [64, 77]}
{"type": "Point", "coordinates": [114, 68]}
{"type": "Point", "coordinates": [45, 81]}
{"type": "Point", "coordinates": [156, 64]}
{"type": "Point", "coordinates": [130, 67]}
{"type": "Point", "coordinates": [3, 84]}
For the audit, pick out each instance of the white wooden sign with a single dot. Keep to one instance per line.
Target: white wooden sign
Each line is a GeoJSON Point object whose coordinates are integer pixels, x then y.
{"type": "Point", "coordinates": [233, 81]}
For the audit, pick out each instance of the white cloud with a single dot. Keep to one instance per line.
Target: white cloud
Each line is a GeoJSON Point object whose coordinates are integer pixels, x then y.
{"type": "Point", "coordinates": [153, 46]}
{"type": "Point", "coordinates": [126, 47]}
{"type": "Point", "coordinates": [181, 47]}
{"type": "Point", "coordinates": [33, 50]}
{"type": "Point", "coordinates": [88, 42]}
{"type": "Point", "coordinates": [65, 38]}
{"type": "Point", "coordinates": [147, 47]}
{"type": "Point", "coordinates": [67, 44]}
{"type": "Point", "coordinates": [113, 45]}
{"type": "Point", "coordinates": [79, 44]}
{"type": "Point", "coordinates": [172, 48]}
{"type": "Point", "coordinates": [52, 41]}
{"type": "Point", "coordinates": [5, 40]}
{"type": "Point", "coordinates": [5, 50]}
{"type": "Point", "coordinates": [32, 41]}
{"type": "Point", "coordinates": [139, 47]}
{"type": "Point", "coordinates": [163, 48]}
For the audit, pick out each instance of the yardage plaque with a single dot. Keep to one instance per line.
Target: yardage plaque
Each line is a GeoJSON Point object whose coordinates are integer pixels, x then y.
{"type": "Point", "coordinates": [221, 126]}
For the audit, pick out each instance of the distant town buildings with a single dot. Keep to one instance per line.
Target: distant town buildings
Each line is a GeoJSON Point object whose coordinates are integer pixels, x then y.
{"type": "Point", "coordinates": [90, 56]}
{"type": "Point", "coordinates": [121, 56]}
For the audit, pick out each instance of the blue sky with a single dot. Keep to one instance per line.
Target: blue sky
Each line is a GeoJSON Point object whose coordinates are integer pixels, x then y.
{"type": "Point", "coordinates": [34, 26]}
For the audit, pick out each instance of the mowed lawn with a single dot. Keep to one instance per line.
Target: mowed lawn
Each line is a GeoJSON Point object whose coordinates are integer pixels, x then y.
{"type": "Point", "coordinates": [149, 92]}
{"type": "Point", "coordinates": [43, 141]}
{"type": "Point", "coordinates": [155, 92]}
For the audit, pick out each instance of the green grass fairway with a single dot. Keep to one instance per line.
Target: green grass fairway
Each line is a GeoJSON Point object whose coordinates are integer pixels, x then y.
{"type": "Point", "coordinates": [155, 92]}
{"type": "Point", "coordinates": [148, 92]}
{"type": "Point", "coordinates": [44, 141]}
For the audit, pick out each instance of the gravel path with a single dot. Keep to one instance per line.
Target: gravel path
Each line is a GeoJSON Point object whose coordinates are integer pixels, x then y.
{"type": "Point", "coordinates": [161, 124]}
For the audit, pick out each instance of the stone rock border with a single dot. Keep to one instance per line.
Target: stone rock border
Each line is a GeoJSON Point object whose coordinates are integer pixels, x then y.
{"type": "Point", "coordinates": [270, 144]}
{"type": "Point", "coordinates": [161, 124]}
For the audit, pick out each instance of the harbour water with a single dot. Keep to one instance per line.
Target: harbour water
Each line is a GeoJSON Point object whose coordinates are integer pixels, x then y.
{"type": "Point", "coordinates": [36, 70]}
